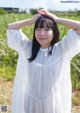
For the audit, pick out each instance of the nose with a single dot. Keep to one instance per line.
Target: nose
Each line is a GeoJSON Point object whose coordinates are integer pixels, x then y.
{"type": "Point", "coordinates": [42, 32]}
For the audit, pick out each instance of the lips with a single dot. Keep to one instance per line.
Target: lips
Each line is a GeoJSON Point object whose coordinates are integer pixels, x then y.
{"type": "Point", "coordinates": [42, 38]}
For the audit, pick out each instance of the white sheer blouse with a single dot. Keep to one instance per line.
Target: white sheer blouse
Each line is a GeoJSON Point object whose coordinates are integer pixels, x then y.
{"type": "Point", "coordinates": [44, 85]}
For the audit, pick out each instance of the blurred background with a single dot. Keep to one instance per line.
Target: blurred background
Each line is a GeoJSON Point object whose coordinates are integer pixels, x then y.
{"type": "Point", "coordinates": [14, 10]}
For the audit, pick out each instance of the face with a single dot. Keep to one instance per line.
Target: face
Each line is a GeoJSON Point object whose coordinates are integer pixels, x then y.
{"type": "Point", "coordinates": [44, 36]}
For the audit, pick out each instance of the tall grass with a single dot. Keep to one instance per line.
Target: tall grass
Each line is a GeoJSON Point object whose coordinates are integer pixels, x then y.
{"type": "Point", "coordinates": [8, 57]}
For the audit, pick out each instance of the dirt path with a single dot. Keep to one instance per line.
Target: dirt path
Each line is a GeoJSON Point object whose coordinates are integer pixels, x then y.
{"type": "Point", "coordinates": [6, 95]}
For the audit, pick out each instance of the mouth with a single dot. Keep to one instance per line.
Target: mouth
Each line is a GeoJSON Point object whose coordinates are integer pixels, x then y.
{"type": "Point", "coordinates": [42, 38]}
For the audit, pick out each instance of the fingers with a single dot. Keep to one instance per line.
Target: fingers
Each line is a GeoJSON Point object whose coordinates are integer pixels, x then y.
{"type": "Point", "coordinates": [47, 13]}
{"type": "Point", "coordinates": [43, 12]}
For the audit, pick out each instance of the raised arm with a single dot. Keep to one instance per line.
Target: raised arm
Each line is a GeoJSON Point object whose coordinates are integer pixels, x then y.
{"type": "Point", "coordinates": [72, 24]}
{"type": "Point", "coordinates": [22, 23]}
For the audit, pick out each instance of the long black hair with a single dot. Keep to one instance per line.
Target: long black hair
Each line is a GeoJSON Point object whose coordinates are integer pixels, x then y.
{"type": "Point", "coordinates": [40, 23]}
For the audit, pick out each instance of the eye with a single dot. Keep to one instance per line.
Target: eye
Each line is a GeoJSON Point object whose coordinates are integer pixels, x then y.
{"type": "Point", "coordinates": [47, 29]}
{"type": "Point", "coordinates": [38, 29]}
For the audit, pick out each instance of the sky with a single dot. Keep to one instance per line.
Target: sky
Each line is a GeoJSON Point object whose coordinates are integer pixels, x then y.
{"type": "Point", "coordinates": [47, 4]}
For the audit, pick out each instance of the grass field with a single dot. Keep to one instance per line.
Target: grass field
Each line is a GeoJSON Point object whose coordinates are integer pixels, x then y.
{"type": "Point", "coordinates": [8, 59]}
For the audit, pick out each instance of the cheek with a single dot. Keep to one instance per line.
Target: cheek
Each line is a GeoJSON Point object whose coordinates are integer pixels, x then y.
{"type": "Point", "coordinates": [36, 35]}
{"type": "Point", "coordinates": [50, 36]}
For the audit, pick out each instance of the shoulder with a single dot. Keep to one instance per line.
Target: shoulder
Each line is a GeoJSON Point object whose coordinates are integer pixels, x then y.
{"type": "Point", "coordinates": [12, 31]}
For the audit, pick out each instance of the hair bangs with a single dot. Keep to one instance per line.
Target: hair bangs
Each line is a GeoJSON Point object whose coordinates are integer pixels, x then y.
{"type": "Point", "coordinates": [45, 23]}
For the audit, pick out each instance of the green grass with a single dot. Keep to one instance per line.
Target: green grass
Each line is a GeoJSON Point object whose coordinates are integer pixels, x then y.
{"type": "Point", "coordinates": [8, 57]}
{"type": "Point", "coordinates": [7, 73]}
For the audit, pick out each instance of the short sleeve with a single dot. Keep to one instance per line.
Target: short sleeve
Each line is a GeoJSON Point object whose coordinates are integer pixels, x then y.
{"type": "Point", "coordinates": [71, 44]}
{"type": "Point", "coordinates": [17, 40]}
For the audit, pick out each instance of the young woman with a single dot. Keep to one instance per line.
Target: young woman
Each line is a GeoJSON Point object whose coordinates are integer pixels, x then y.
{"type": "Point", "coordinates": [42, 83]}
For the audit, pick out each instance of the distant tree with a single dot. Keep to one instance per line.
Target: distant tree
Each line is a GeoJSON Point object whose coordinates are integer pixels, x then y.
{"type": "Point", "coordinates": [78, 12]}
{"type": "Point", "coordinates": [2, 11]}
{"type": "Point", "coordinates": [33, 11]}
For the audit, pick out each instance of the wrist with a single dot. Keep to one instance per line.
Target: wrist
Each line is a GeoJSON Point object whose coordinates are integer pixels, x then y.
{"type": "Point", "coordinates": [54, 17]}
{"type": "Point", "coordinates": [57, 20]}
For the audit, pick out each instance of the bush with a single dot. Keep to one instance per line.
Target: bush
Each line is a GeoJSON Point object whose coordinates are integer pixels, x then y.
{"type": "Point", "coordinates": [2, 11]}
{"type": "Point", "coordinates": [33, 11]}
{"type": "Point", "coordinates": [78, 12]}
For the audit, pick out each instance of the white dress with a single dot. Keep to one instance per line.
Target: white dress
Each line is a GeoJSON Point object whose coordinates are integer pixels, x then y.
{"type": "Point", "coordinates": [44, 85]}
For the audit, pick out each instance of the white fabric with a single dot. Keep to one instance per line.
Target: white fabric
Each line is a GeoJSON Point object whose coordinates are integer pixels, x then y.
{"type": "Point", "coordinates": [44, 85]}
